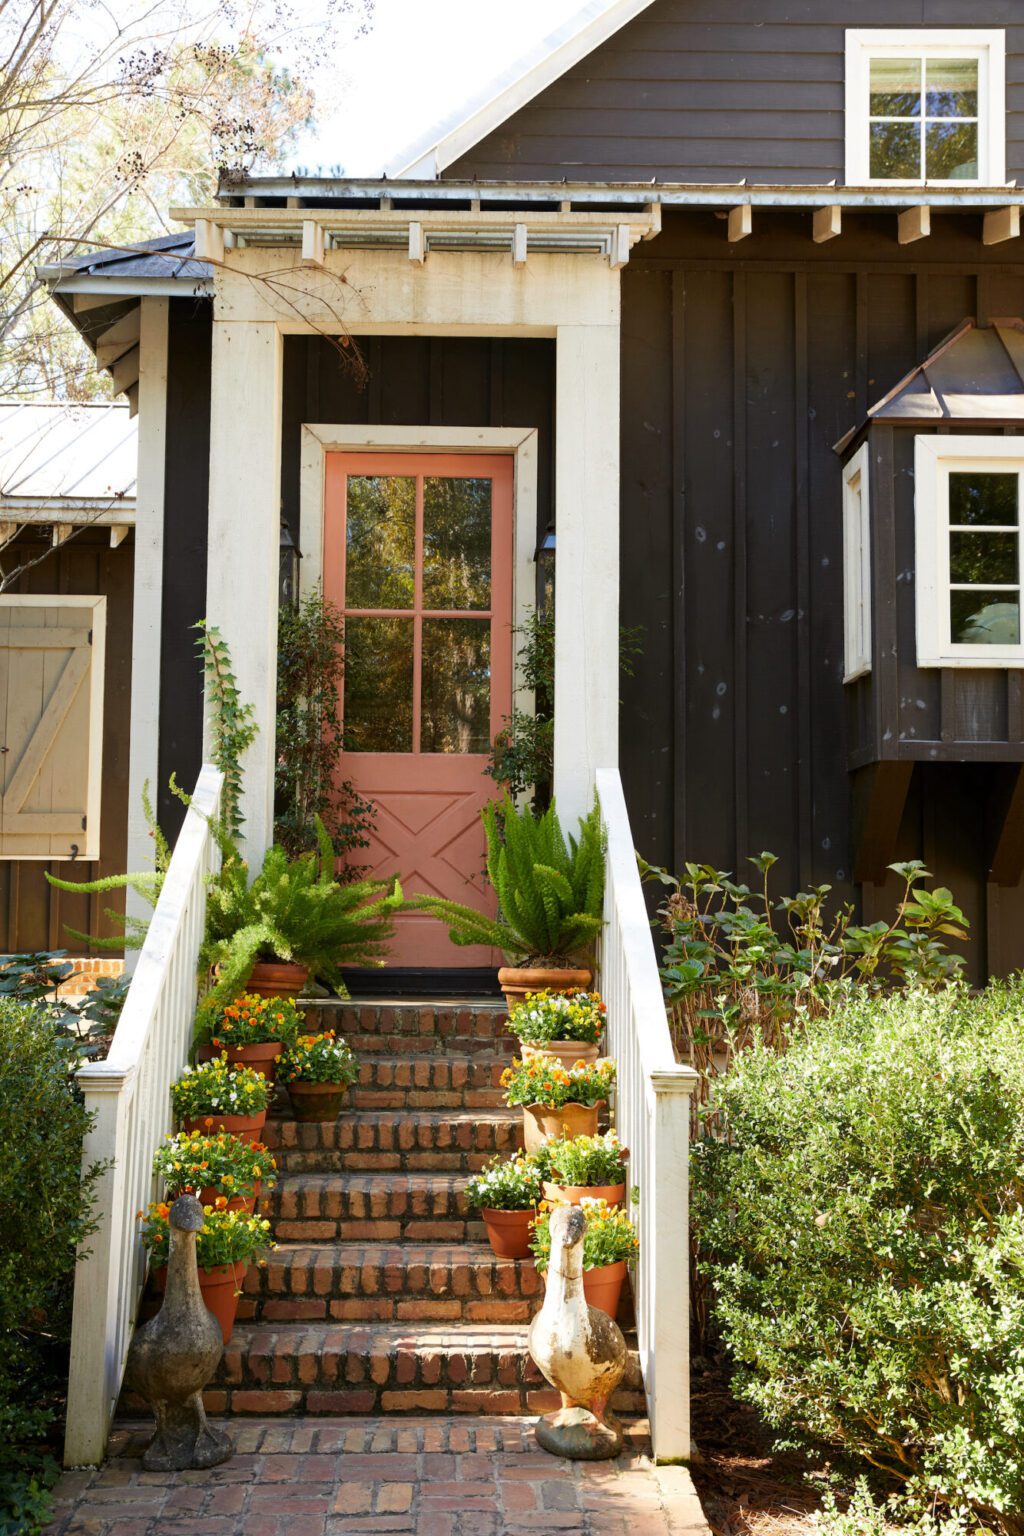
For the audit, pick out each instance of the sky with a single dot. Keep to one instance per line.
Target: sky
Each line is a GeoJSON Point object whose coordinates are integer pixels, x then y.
{"type": "Point", "coordinates": [419, 60]}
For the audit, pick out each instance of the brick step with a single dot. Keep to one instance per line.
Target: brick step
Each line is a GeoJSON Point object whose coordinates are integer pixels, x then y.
{"type": "Point", "coordinates": [393, 1368]}
{"type": "Point", "coordinates": [391, 1282]}
{"type": "Point", "coordinates": [416, 1028]}
{"type": "Point", "coordinates": [371, 1207]}
{"type": "Point", "coordinates": [412, 1139]}
{"type": "Point", "coordinates": [429, 1082]}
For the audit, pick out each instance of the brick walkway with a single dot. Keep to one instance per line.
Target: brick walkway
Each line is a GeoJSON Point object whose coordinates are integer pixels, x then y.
{"type": "Point", "coordinates": [422, 1477]}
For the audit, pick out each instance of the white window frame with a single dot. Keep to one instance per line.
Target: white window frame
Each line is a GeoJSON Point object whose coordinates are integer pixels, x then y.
{"type": "Point", "coordinates": [856, 567]}
{"type": "Point", "coordinates": [988, 46]}
{"type": "Point", "coordinates": [935, 458]}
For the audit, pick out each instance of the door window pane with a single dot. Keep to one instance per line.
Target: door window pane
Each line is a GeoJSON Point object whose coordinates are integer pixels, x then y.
{"type": "Point", "coordinates": [456, 700]}
{"type": "Point", "coordinates": [378, 685]}
{"type": "Point", "coordinates": [951, 88]}
{"type": "Point", "coordinates": [984, 618]}
{"type": "Point", "coordinates": [895, 151]}
{"type": "Point", "coordinates": [380, 541]}
{"type": "Point", "coordinates": [980, 558]}
{"type": "Point", "coordinates": [977, 498]}
{"type": "Point", "coordinates": [456, 542]}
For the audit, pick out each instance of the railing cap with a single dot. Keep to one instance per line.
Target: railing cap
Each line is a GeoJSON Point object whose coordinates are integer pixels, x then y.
{"type": "Point", "coordinates": [104, 1076]}
{"type": "Point", "coordinates": [677, 1079]}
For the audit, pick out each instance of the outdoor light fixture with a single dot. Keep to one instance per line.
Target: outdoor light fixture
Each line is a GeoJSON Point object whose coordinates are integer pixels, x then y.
{"type": "Point", "coordinates": [288, 574]}
{"type": "Point", "coordinates": [544, 555]}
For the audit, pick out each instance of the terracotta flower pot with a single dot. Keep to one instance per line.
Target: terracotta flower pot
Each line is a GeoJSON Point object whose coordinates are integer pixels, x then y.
{"type": "Point", "coordinates": [573, 1194]}
{"type": "Point", "coordinates": [261, 1058]}
{"type": "Point", "coordinates": [316, 1101]}
{"type": "Point", "coordinates": [277, 978]}
{"type": "Point", "coordinates": [516, 981]}
{"type": "Point", "coordinates": [245, 1127]}
{"type": "Point", "coordinates": [603, 1287]}
{"type": "Point", "coordinates": [541, 1124]}
{"type": "Point", "coordinates": [568, 1052]}
{"type": "Point", "coordinates": [218, 1286]}
{"type": "Point", "coordinates": [508, 1232]}
{"type": "Point", "coordinates": [210, 1195]}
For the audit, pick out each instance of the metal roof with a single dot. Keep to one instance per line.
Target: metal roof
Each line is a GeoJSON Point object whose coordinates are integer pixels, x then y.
{"type": "Point", "coordinates": [66, 454]}
{"type": "Point", "coordinates": [975, 375]}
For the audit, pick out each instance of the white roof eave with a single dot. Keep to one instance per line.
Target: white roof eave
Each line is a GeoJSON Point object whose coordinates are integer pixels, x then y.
{"type": "Point", "coordinates": [524, 79]}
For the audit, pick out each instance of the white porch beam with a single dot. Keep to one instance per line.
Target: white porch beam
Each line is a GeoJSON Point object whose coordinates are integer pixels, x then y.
{"type": "Point", "coordinates": [519, 246]}
{"type": "Point", "coordinates": [147, 595]}
{"type": "Point", "coordinates": [313, 243]}
{"type": "Point", "coordinates": [61, 533]}
{"type": "Point", "coordinates": [118, 533]}
{"type": "Point", "coordinates": [828, 223]}
{"type": "Point", "coordinates": [212, 240]}
{"type": "Point", "coordinates": [1002, 224]}
{"type": "Point", "coordinates": [244, 530]}
{"type": "Point", "coordinates": [741, 223]}
{"type": "Point", "coordinates": [417, 244]}
{"type": "Point", "coordinates": [8, 531]}
{"type": "Point", "coordinates": [915, 224]}
{"type": "Point", "coordinates": [620, 247]}
{"type": "Point", "coordinates": [587, 563]}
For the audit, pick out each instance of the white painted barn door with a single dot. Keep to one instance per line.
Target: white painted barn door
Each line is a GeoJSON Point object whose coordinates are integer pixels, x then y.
{"type": "Point", "coordinates": [51, 726]}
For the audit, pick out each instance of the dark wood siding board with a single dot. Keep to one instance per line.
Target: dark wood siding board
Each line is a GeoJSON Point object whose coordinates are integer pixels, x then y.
{"type": "Point", "coordinates": [186, 525]}
{"type": "Point", "coordinates": [741, 766]}
{"type": "Point", "coordinates": [675, 621]}
{"type": "Point", "coordinates": [801, 462]}
{"type": "Point", "coordinates": [683, 94]}
{"type": "Point", "coordinates": [32, 913]}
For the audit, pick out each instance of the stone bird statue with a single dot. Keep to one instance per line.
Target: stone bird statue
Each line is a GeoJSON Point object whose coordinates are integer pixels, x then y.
{"type": "Point", "coordinates": [173, 1356]}
{"type": "Point", "coordinates": [579, 1349]}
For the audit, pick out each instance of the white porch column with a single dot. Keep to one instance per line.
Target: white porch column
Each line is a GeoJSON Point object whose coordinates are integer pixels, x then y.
{"type": "Point", "coordinates": [147, 600]}
{"type": "Point", "coordinates": [243, 543]}
{"type": "Point", "coordinates": [586, 563]}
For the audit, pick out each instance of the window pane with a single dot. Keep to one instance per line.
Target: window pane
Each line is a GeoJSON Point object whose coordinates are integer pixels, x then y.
{"type": "Point", "coordinates": [984, 618]}
{"type": "Point", "coordinates": [895, 88]}
{"type": "Point", "coordinates": [977, 498]}
{"type": "Point", "coordinates": [456, 542]}
{"type": "Point", "coordinates": [951, 87]}
{"type": "Point", "coordinates": [380, 541]}
{"type": "Point", "coordinates": [952, 150]}
{"type": "Point", "coordinates": [456, 702]}
{"type": "Point", "coordinates": [983, 557]}
{"type": "Point", "coordinates": [378, 685]}
{"type": "Point", "coordinates": [896, 151]}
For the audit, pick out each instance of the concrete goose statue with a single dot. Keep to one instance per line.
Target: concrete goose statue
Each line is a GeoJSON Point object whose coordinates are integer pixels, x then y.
{"type": "Point", "coordinates": [173, 1356]}
{"type": "Point", "coordinates": [579, 1349]}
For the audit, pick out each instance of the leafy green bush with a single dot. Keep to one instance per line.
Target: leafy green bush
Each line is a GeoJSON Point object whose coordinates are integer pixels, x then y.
{"type": "Point", "coordinates": [862, 1225]}
{"type": "Point", "coordinates": [44, 1214]}
{"type": "Point", "coordinates": [550, 890]}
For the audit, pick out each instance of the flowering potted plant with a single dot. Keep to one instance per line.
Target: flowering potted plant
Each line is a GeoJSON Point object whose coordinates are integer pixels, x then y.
{"type": "Point", "coordinates": [584, 1167]}
{"type": "Point", "coordinates": [609, 1243]}
{"type": "Point", "coordinates": [250, 1030]}
{"type": "Point", "coordinates": [215, 1166]}
{"type": "Point", "coordinates": [563, 1024]}
{"type": "Point", "coordinates": [318, 1072]}
{"type": "Point", "coordinates": [506, 1192]}
{"type": "Point", "coordinates": [556, 1100]}
{"type": "Point", "coordinates": [217, 1096]}
{"type": "Point", "coordinates": [226, 1245]}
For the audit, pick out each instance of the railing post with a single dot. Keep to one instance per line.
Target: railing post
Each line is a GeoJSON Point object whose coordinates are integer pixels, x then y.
{"type": "Point", "coordinates": [94, 1376]}
{"type": "Point", "coordinates": [669, 1231]}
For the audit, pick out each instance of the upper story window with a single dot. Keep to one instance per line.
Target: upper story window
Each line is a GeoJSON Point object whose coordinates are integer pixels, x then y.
{"type": "Point", "coordinates": [925, 107]}
{"type": "Point", "coordinates": [969, 500]}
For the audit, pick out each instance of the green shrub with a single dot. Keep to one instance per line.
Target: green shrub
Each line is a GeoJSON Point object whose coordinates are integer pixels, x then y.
{"type": "Point", "coordinates": [862, 1226]}
{"type": "Point", "coordinates": [44, 1215]}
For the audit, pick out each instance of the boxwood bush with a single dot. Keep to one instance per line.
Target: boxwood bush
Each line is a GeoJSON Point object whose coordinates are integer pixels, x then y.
{"type": "Point", "coordinates": [862, 1227]}
{"type": "Point", "coordinates": [44, 1214]}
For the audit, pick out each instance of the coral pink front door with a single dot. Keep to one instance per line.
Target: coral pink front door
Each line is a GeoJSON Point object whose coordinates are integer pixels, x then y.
{"type": "Point", "coordinates": [418, 558]}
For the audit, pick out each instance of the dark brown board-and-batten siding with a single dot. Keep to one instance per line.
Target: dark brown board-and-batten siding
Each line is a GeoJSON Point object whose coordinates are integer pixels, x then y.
{"type": "Point", "coordinates": [741, 368]}
{"type": "Point", "coordinates": [701, 91]}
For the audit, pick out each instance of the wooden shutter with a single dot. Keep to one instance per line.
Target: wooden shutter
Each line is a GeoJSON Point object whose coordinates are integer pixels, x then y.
{"type": "Point", "coordinates": [51, 717]}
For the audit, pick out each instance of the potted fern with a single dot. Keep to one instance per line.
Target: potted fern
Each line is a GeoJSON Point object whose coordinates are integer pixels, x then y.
{"type": "Point", "coordinates": [294, 919]}
{"type": "Point", "coordinates": [550, 891]}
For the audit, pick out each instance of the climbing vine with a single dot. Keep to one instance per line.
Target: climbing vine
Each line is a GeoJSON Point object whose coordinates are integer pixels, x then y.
{"type": "Point", "coordinates": [233, 728]}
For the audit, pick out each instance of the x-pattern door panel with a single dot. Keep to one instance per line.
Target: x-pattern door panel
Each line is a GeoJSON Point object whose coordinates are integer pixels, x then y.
{"type": "Point", "coordinates": [418, 557]}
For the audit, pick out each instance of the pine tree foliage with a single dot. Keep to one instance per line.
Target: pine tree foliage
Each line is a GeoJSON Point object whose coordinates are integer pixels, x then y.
{"type": "Point", "coordinates": [550, 887]}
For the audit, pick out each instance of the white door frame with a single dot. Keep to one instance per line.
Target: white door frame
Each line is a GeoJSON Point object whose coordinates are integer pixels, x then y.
{"type": "Point", "coordinates": [571, 296]}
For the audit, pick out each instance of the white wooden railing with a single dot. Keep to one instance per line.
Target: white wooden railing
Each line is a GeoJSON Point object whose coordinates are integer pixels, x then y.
{"type": "Point", "coordinates": [652, 1117]}
{"type": "Point", "coordinates": [129, 1096]}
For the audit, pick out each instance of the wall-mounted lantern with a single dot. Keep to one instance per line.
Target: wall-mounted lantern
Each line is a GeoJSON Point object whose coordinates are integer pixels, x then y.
{"type": "Point", "coordinates": [544, 555]}
{"type": "Point", "coordinates": [288, 575]}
